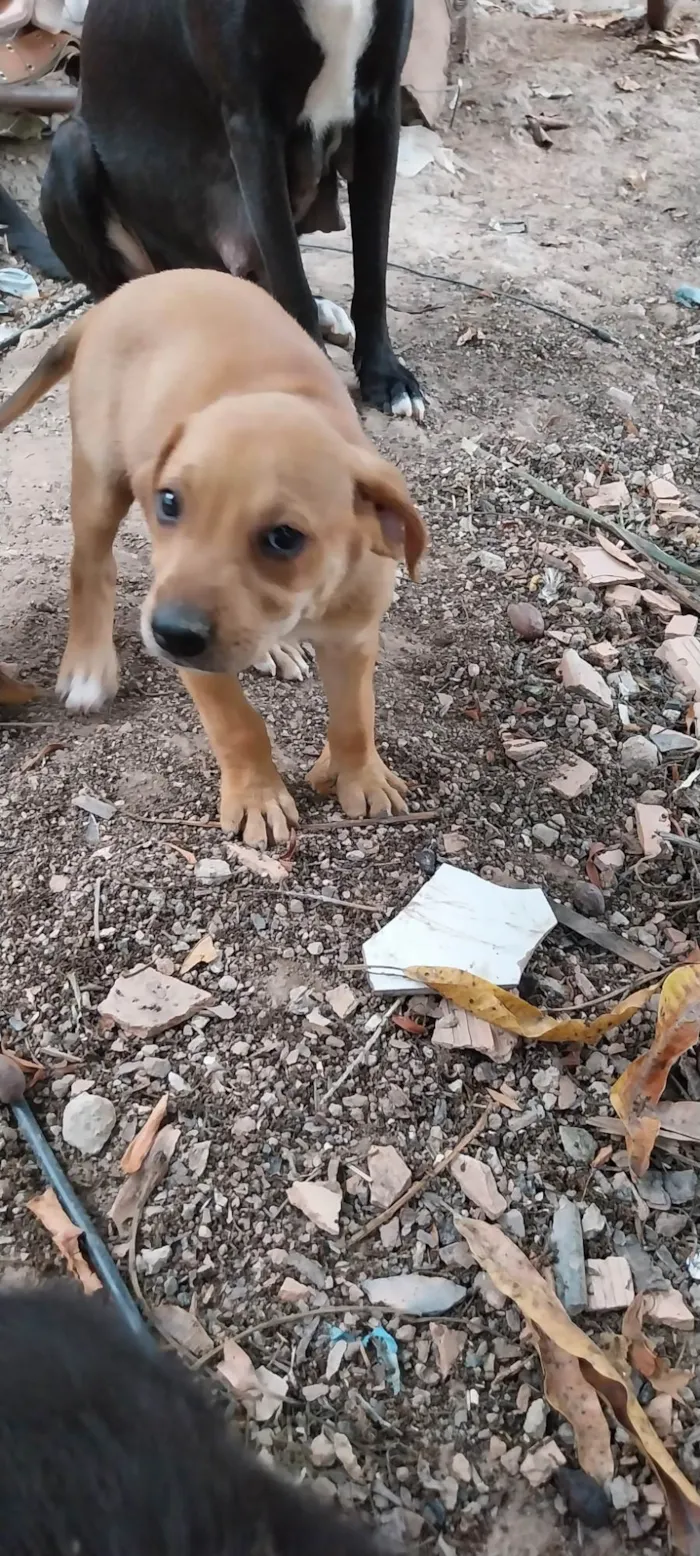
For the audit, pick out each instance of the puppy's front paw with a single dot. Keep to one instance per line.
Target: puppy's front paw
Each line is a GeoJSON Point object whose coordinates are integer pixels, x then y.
{"type": "Point", "coordinates": [258, 805]}
{"type": "Point", "coordinates": [85, 683]}
{"type": "Point", "coordinates": [287, 661]}
{"type": "Point", "coordinates": [369, 790]}
{"type": "Point", "coordinates": [335, 324]}
{"type": "Point", "coordinates": [389, 386]}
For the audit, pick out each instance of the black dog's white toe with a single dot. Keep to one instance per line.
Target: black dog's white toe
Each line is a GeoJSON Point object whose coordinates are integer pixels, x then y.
{"type": "Point", "coordinates": [390, 387]}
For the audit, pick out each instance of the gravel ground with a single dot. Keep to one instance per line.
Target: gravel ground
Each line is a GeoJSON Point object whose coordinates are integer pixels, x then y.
{"type": "Point", "coordinates": [86, 897]}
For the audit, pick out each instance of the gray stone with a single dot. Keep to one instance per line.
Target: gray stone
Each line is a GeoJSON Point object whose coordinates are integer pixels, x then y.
{"type": "Point", "coordinates": [670, 1223]}
{"type": "Point", "coordinates": [88, 1122]}
{"type": "Point", "coordinates": [535, 1423]}
{"type": "Point", "coordinates": [670, 742]}
{"type": "Point", "coordinates": [569, 1261]}
{"type": "Point", "coordinates": [623, 682]}
{"type": "Point", "coordinates": [491, 562]}
{"type": "Point", "coordinates": [638, 755]}
{"type": "Point", "coordinates": [651, 1188]}
{"type": "Point", "coordinates": [211, 872]}
{"type": "Point", "coordinates": [593, 1221]}
{"type": "Point", "coordinates": [578, 1144]}
{"type": "Point", "coordinates": [153, 1260]}
{"type": "Point", "coordinates": [681, 1187]}
{"type": "Point", "coordinates": [513, 1223]}
{"type": "Point", "coordinates": [622, 1492]}
{"type": "Point", "coordinates": [547, 836]}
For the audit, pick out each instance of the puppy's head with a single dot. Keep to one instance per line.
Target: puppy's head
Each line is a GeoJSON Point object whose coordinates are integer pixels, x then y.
{"type": "Point", "coordinates": [260, 513]}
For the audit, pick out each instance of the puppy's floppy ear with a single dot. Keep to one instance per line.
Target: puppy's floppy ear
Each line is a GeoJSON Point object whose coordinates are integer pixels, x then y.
{"type": "Point", "coordinates": [396, 527]}
{"type": "Point", "coordinates": [148, 477]}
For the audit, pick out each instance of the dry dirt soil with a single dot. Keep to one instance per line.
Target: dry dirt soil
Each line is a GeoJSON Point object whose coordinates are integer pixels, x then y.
{"type": "Point", "coordinates": [604, 226]}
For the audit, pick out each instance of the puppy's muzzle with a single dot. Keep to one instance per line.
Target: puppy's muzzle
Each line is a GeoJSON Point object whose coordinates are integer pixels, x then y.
{"type": "Point", "coordinates": [182, 632]}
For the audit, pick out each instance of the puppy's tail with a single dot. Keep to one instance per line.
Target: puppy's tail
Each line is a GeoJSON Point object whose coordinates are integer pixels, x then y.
{"type": "Point", "coordinates": [55, 364]}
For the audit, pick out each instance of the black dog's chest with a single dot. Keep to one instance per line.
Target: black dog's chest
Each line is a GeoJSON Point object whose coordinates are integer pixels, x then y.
{"type": "Point", "coordinates": [295, 66]}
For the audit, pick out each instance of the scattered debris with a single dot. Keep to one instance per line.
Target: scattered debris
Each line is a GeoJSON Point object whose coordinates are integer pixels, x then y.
{"type": "Point", "coordinates": [574, 778]}
{"type": "Point", "coordinates": [145, 1003]}
{"type": "Point", "coordinates": [653, 824]}
{"type": "Point", "coordinates": [610, 1284]}
{"type": "Point", "coordinates": [478, 1184]}
{"type": "Point", "coordinates": [611, 495]}
{"type": "Point", "coordinates": [448, 1344]}
{"type": "Point", "coordinates": [388, 1174]}
{"type": "Point", "coordinates": [201, 954]}
{"type": "Point", "coordinates": [578, 675]}
{"type": "Point", "coordinates": [598, 566]}
{"type": "Point", "coordinates": [343, 1001]}
{"type": "Point", "coordinates": [319, 1203]}
{"type": "Point", "coordinates": [180, 1327]}
{"type": "Point", "coordinates": [420, 1295]}
{"type": "Point", "coordinates": [681, 655]}
{"type": "Point", "coordinates": [681, 627]}
{"type": "Point", "coordinates": [458, 1028]}
{"type": "Point", "coordinates": [261, 1392]}
{"type": "Point", "coordinates": [458, 919]}
{"type": "Point", "coordinates": [267, 866]}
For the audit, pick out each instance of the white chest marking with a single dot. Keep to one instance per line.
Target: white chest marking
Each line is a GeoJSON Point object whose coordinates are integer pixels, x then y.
{"type": "Point", "coordinates": [341, 29]}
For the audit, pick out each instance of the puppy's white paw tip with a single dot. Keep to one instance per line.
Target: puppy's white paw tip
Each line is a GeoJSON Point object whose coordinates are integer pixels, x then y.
{"type": "Point", "coordinates": [82, 693]}
{"type": "Point", "coordinates": [402, 405]}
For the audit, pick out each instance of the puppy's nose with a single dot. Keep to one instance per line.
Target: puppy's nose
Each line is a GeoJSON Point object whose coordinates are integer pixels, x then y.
{"type": "Point", "coordinates": [181, 630]}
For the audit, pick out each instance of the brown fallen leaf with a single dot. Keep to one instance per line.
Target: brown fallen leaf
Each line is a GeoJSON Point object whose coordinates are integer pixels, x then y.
{"type": "Point", "coordinates": [641, 1353]}
{"type": "Point", "coordinates": [642, 1084]}
{"type": "Point", "coordinates": [65, 1236]}
{"type": "Point", "coordinates": [505, 1009]}
{"type": "Point", "coordinates": [514, 1275]}
{"type": "Point", "coordinates": [136, 1153]}
{"type": "Point", "coordinates": [139, 1186]}
{"type": "Point", "coordinates": [200, 954]}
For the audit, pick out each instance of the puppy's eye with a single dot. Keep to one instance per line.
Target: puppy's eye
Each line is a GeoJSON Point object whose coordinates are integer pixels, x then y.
{"type": "Point", "coordinates": [168, 506]}
{"type": "Point", "coordinates": [282, 543]}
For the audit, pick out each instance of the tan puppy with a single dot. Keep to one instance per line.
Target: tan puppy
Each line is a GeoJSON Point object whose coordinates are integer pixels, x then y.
{"type": "Point", "coordinates": [272, 518]}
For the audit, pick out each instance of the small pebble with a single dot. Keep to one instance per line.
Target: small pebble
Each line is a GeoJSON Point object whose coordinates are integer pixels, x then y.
{"type": "Point", "coordinates": [588, 899]}
{"type": "Point", "coordinates": [526, 620]}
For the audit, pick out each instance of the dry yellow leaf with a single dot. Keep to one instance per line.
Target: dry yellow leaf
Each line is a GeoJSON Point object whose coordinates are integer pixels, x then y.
{"type": "Point", "coordinates": [507, 1010]}
{"type": "Point", "coordinates": [66, 1237]}
{"type": "Point", "coordinates": [642, 1084]}
{"type": "Point", "coordinates": [136, 1153]}
{"type": "Point", "coordinates": [567, 1391]}
{"type": "Point", "coordinates": [514, 1275]}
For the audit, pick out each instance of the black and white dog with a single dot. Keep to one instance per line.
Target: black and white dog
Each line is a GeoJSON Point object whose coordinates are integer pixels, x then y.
{"type": "Point", "coordinates": [213, 132]}
{"type": "Point", "coordinates": [110, 1449]}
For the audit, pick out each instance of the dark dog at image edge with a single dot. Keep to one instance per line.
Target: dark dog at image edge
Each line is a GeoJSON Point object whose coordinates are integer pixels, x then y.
{"type": "Point", "coordinates": [109, 1448]}
{"type": "Point", "coordinates": [211, 133]}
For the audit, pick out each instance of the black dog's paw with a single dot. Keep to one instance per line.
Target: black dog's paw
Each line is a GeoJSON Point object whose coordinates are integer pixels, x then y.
{"type": "Point", "coordinates": [390, 387]}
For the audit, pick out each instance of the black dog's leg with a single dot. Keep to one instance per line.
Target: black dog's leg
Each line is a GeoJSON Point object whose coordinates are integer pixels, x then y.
{"type": "Point", "coordinates": [384, 381]}
{"type": "Point", "coordinates": [74, 210]}
{"type": "Point", "coordinates": [259, 159]}
{"type": "Point", "coordinates": [26, 240]}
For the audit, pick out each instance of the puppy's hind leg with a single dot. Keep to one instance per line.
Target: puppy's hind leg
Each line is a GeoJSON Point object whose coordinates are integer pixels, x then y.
{"type": "Point", "coordinates": [89, 672]}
